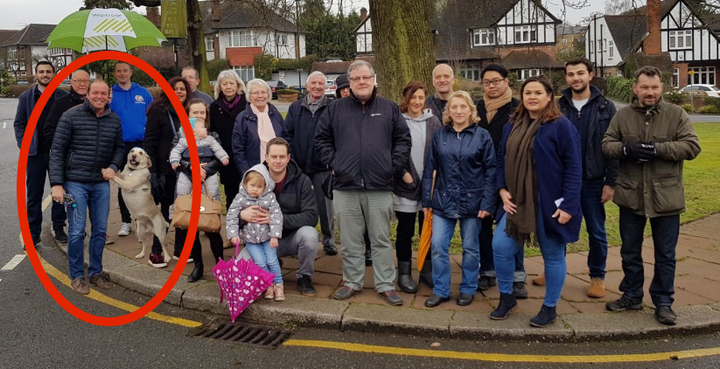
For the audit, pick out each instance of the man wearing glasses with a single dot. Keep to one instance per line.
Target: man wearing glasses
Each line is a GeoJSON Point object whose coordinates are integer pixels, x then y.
{"type": "Point", "coordinates": [494, 111]}
{"type": "Point", "coordinates": [38, 155]}
{"type": "Point", "coordinates": [79, 83]}
{"type": "Point", "coordinates": [365, 141]}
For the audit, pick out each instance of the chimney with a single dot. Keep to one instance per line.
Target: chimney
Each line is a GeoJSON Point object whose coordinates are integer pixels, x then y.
{"type": "Point", "coordinates": [215, 6]}
{"type": "Point", "coordinates": [363, 14]}
{"type": "Point", "coordinates": [153, 15]}
{"type": "Point", "coordinates": [652, 44]}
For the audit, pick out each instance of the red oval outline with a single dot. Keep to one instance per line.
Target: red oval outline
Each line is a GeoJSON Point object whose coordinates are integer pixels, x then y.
{"type": "Point", "coordinates": [22, 206]}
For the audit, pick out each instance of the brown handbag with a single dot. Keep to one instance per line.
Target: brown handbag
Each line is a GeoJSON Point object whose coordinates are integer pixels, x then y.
{"type": "Point", "coordinates": [210, 213]}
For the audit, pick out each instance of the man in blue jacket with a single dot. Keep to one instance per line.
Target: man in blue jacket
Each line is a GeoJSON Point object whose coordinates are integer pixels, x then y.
{"type": "Point", "coordinates": [300, 124]}
{"type": "Point", "coordinates": [591, 114]}
{"type": "Point", "coordinates": [130, 102]}
{"type": "Point", "coordinates": [366, 141]}
{"type": "Point", "coordinates": [86, 153]}
{"type": "Point", "coordinates": [39, 154]}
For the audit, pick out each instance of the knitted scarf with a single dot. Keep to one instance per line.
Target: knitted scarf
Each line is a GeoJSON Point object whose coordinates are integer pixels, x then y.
{"type": "Point", "coordinates": [266, 132]}
{"type": "Point", "coordinates": [521, 179]}
{"type": "Point", "coordinates": [492, 105]}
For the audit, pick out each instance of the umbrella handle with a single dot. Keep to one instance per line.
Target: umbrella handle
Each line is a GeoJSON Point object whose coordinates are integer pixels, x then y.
{"type": "Point", "coordinates": [237, 248]}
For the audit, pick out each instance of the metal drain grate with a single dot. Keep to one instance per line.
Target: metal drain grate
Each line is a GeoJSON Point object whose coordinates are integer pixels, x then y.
{"type": "Point", "coordinates": [244, 333]}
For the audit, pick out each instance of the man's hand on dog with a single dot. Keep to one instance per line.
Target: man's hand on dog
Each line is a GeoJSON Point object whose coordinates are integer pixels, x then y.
{"type": "Point", "coordinates": [255, 214]}
{"type": "Point", "coordinates": [108, 174]}
{"type": "Point", "coordinates": [175, 165]}
{"type": "Point", "coordinates": [58, 192]}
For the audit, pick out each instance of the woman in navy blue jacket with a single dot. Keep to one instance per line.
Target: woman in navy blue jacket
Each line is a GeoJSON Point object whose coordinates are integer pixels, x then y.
{"type": "Point", "coordinates": [258, 124]}
{"type": "Point", "coordinates": [539, 206]}
{"type": "Point", "coordinates": [463, 157]}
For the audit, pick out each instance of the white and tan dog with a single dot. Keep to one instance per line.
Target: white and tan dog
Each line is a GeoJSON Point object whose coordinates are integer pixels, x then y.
{"type": "Point", "coordinates": [134, 182]}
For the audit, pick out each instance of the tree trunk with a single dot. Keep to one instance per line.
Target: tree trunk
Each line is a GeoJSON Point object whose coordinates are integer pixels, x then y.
{"type": "Point", "coordinates": [196, 43]}
{"type": "Point", "coordinates": [402, 43]}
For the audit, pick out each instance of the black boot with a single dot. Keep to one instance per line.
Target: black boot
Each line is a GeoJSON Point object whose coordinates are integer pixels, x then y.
{"type": "Point", "coordinates": [426, 274]}
{"type": "Point", "coordinates": [60, 235]}
{"type": "Point", "coordinates": [506, 305]}
{"type": "Point", "coordinates": [405, 280]}
{"type": "Point", "coordinates": [197, 273]}
{"type": "Point", "coordinates": [368, 257]}
{"type": "Point", "coordinates": [546, 316]}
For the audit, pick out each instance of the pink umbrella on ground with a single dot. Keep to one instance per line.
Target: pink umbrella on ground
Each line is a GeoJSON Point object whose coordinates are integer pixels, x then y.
{"type": "Point", "coordinates": [241, 282]}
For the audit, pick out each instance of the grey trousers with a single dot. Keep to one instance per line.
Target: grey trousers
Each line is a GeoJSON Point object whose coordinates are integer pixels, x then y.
{"type": "Point", "coordinates": [356, 210]}
{"type": "Point", "coordinates": [302, 243]}
{"type": "Point", "coordinates": [325, 208]}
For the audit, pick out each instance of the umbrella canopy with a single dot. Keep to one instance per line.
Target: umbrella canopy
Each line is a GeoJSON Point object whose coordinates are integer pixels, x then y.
{"type": "Point", "coordinates": [104, 29]}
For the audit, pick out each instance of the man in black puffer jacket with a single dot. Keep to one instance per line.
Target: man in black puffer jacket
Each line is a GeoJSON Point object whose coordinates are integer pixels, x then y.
{"type": "Point", "coordinates": [87, 151]}
{"type": "Point", "coordinates": [365, 140]}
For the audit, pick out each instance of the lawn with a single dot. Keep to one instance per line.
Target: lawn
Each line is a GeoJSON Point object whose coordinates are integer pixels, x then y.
{"type": "Point", "coordinates": [702, 194]}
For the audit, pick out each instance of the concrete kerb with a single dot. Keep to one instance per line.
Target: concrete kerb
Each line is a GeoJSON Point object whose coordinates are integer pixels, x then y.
{"type": "Point", "coordinates": [303, 311]}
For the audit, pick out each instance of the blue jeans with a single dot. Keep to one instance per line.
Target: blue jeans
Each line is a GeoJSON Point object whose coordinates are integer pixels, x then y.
{"type": "Point", "coordinates": [92, 199]}
{"type": "Point", "coordinates": [506, 248]}
{"type": "Point", "coordinates": [594, 214]}
{"type": "Point", "coordinates": [665, 231]}
{"type": "Point", "coordinates": [487, 264]}
{"type": "Point", "coordinates": [37, 167]}
{"type": "Point", "coordinates": [443, 230]}
{"type": "Point", "coordinates": [265, 257]}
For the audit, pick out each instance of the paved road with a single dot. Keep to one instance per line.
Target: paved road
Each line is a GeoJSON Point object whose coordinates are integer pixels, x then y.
{"type": "Point", "coordinates": [695, 118]}
{"type": "Point", "coordinates": [36, 333]}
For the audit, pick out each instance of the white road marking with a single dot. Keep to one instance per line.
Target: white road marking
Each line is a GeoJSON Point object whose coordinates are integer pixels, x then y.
{"type": "Point", "coordinates": [17, 259]}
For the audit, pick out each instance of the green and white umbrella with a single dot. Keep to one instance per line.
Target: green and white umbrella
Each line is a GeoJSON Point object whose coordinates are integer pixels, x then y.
{"type": "Point", "coordinates": [104, 29]}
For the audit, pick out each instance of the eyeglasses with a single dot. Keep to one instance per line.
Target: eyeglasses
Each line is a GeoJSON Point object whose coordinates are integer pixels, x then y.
{"type": "Point", "coordinates": [81, 81]}
{"type": "Point", "coordinates": [364, 78]}
{"type": "Point", "coordinates": [494, 82]}
{"type": "Point", "coordinates": [259, 93]}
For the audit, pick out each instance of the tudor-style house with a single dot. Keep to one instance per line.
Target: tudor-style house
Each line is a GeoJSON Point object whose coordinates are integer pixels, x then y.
{"type": "Point", "coordinates": [239, 31]}
{"type": "Point", "coordinates": [21, 51]}
{"type": "Point", "coordinates": [468, 34]}
{"type": "Point", "coordinates": [691, 39]}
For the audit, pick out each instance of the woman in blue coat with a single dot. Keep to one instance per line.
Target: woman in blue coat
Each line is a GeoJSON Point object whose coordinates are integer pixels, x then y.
{"type": "Point", "coordinates": [254, 127]}
{"type": "Point", "coordinates": [539, 206]}
{"type": "Point", "coordinates": [463, 157]}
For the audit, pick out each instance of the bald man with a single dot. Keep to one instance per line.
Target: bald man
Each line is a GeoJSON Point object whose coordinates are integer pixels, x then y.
{"type": "Point", "coordinates": [443, 81]}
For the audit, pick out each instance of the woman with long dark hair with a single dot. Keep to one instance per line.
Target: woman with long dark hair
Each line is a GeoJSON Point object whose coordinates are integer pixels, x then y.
{"type": "Point", "coordinates": [163, 124]}
{"type": "Point", "coordinates": [540, 207]}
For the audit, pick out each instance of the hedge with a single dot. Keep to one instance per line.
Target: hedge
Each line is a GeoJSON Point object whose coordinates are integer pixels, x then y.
{"type": "Point", "coordinates": [620, 88]}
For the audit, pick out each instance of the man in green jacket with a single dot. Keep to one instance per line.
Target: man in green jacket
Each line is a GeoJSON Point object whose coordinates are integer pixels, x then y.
{"type": "Point", "coordinates": [651, 138]}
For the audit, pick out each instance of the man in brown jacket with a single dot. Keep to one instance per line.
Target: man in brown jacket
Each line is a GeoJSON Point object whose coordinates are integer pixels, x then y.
{"type": "Point", "coordinates": [651, 138]}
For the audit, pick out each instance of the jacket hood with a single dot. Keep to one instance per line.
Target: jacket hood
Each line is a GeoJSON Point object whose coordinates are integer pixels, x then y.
{"type": "Point", "coordinates": [88, 107]}
{"type": "Point", "coordinates": [292, 171]}
{"type": "Point", "coordinates": [269, 183]}
{"type": "Point", "coordinates": [118, 89]}
{"type": "Point", "coordinates": [648, 110]}
{"type": "Point", "coordinates": [427, 114]}
{"type": "Point", "coordinates": [594, 94]}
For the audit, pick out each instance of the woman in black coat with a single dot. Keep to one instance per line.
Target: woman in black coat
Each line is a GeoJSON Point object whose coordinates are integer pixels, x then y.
{"type": "Point", "coordinates": [229, 103]}
{"type": "Point", "coordinates": [162, 126]}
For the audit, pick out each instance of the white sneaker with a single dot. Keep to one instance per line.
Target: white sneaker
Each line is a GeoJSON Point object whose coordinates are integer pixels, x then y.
{"type": "Point", "coordinates": [125, 229]}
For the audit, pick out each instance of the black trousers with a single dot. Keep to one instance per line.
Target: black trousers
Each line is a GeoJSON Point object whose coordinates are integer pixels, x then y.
{"type": "Point", "coordinates": [404, 233]}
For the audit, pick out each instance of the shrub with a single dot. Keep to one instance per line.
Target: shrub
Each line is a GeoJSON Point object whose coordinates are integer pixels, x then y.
{"type": "Point", "coordinates": [620, 88]}
{"type": "Point", "coordinates": [264, 66]}
{"type": "Point", "coordinates": [713, 101]}
{"type": "Point", "coordinates": [216, 66]}
{"type": "Point", "coordinates": [709, 109]}
{"type": "Point", "coordinates": [287, 91]}
{"type": "Point", "coordinates": [155, 92]}
{"type": "Point", "coordinates": [676, 97]}
{"type": "Point", "coordinates": [688, 108]}
{"type": "Point", "coordinates": [16, 90]}
{"type": "Point", "coordinates": [304, 63]}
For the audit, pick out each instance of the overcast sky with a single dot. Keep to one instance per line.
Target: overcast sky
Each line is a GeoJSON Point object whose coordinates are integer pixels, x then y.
{"type": "Point", "coordinates": [17, 14]}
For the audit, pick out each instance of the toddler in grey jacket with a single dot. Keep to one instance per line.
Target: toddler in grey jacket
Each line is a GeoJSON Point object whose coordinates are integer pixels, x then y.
{"type": "Point", "coordinates": [261, 240]}
{"type": "Point", "coordinates": [208, 148]}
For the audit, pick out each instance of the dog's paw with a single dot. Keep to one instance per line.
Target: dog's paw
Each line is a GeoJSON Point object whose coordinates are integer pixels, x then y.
{"type": "Point", "coordinates": [140, 255]}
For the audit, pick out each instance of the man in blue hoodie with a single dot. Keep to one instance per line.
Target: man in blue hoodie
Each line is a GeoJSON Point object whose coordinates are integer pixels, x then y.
{"type": "Point", "coordinates": [591, 114]}
{"type": "Point", "coordinates": [130, 102]}
{"type": "Point", "coordinates": [39, 154]}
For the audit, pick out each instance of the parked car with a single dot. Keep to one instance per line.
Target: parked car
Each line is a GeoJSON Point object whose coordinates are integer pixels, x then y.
{"type": "Point", "coordinates": [274, 86]}
{"type": "Point", "coordinates": [710, 90]}
{"type": "Point", "coordinates": [330, 88]}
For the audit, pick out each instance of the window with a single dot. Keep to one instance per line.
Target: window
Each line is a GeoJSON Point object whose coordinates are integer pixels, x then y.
{"type": "Point", "coordinates": [612, 48]}
{"type": "Point", "coordinates": [592, 47]}
{"type": "Point", "coordinates": [676, 77]}
{"type": "Point", "coordinates": [483, 37]}
{"type": "Point", "coordinates": [242, 39]}
{"type": "Point", "coordinates": [12, 53]}
{"type": "Point", "coordinates": [209, 44]}
{"type": "Point", "coordinates": [282, 39]}
{"type": "Point", "coordinates": [702, 76]}
{"type": "Point", "coordinates": [527, 73]}
{"type": "Point", "coordinates": [245, 73]}
{"type": "Point", "coordinates": [471, 72]}
{"type": "Point", "coordinates": [525, 34]}
{"type": "Point", "coordinates": [680, 39]}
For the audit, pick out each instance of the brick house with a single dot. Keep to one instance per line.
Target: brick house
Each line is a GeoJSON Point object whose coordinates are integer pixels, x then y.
{"type": "Point", "coordinates": [24, 48]}
{"type": "Point", "coordinates": [469, 34]}
{"type": "Point", "coordinates": [691, 39]}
